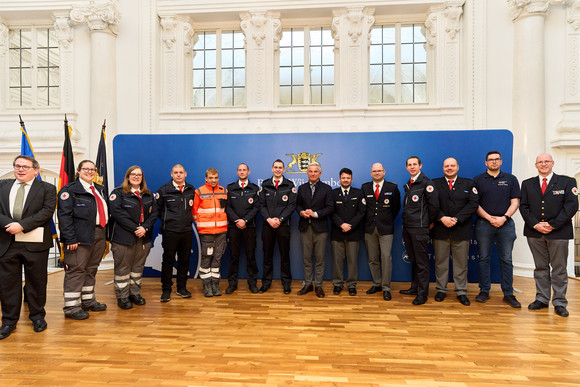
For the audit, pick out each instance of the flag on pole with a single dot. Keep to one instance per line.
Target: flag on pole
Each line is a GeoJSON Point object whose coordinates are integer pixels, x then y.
{"type": "Point", "coordinates": [101, 177]}
{"type": "Point", "coordinates": [67, 164]}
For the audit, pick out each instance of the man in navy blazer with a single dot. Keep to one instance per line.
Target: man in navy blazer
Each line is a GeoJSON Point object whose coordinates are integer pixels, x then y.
{"type": "Point", "coordinates": [549, 202]}
{"type": "Point", "coordinates": [314, 205]}
{"type": "Point", "coordinates": [26, 204]}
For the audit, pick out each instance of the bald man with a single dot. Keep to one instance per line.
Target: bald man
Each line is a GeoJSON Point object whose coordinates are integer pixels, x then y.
{"type": "Point", "coordinates": [383, 202]}
{"type": "Point", "coordinates": [453, 228]}
{"type": "Point", "coordinates": [549, 202]}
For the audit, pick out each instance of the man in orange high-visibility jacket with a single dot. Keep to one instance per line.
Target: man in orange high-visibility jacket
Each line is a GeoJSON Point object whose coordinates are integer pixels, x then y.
{"type": "Point", "coordinates": [209, 214]}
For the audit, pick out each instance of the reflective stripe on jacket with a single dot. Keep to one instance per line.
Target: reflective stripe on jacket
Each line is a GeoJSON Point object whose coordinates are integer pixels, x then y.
{"type": "Point", "coordinates": [209, 209]}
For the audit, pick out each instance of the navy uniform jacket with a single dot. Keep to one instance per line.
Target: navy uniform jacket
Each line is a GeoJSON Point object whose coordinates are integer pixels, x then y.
{"type": "Point", "coordinates": [174, 207]}
{"type": "Point", "coordinates": [242, 203]}
{"type": "Point", "coordinates": [461, 202]}
{"type": "Point", "coordinates": [321, 203]}
{"type": "Point", "coordinates": [125, 211]}
{"type": "Point", "coordinates": [37, 212]}
{"type": "Point", "coordinates": [77, 213]}
{"type": "Point", "coordinates": [420, 203]}
{"type": "Point", "coordinates": [381, 213]}
{"type": "Point", "coordinates": [351, 211]}
{"type": "Point", "coordinates": [556, 206]}
{"type": "Point", "coordinates": [278, 203]}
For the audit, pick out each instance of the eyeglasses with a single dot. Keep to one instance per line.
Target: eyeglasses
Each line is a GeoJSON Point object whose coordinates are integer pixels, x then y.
{"type": "Point", "coordinates": [89, 170]}
{"type": "Point", "coordinates": [544, 162]}
{"type": "Point", "coordinates": [494, 160]}
{"type": "Point", "coordinates": [135, 175]}
{"type": "Point", "coordinates": [22, 167]}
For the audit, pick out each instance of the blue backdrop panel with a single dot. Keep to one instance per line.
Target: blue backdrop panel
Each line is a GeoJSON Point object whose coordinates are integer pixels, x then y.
{"type": "Point", "coordinates": [357, 151]}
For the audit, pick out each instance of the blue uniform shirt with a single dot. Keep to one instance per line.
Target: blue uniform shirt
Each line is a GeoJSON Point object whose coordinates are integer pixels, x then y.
{"type": "Point", "coordinates": [495, 193]}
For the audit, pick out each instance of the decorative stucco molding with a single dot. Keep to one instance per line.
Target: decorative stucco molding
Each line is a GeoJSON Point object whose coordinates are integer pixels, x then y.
{"type": "Point", "coordinates": [98, 16]}
{"type": "Point", "coordinates": [168, 25]}
{"type": "Point", "coordinates": [3, 39]}
{"type": "Point", "coordinates": [64, 31]}
{"type": "Point", "coordinates": [453, 11]}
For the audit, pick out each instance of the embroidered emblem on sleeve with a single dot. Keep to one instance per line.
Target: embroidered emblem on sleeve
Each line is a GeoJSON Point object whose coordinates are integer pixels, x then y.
{"type": "Point", "coordinates": [64, 196]}
{"type": "Point", "coordinates": [285, 198]}
{"type": "Point", "coordinates": [386, 201]}
{"type": "Point", "coordinates": [156, 195]}
{"type": "Point", "coordinates": [293, 189]}
{"type": "Point", "coordinates": [429, 188]}
{"type": "Point", "coordinates": [474, 190]}
{"type": "Point", "coordinates": [415, 198]}
{"type": "Point", "coordinates": [575, 191]}
{"type": "Point", "coordinates": [191, 202]}
{"type": "Point", "coordinates": [251, 200]}
{"type": "Point", "coordinates": [364, 201]}
{"type": "Point", "coordinates": [112, 197]}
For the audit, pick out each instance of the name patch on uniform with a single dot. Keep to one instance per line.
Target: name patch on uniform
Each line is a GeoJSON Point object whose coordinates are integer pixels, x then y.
{"type": "Point", "coordinates": [339, 202]}
{"type": "Point", "coordinates": [429, 188]}
{"type": "Point", "coordinates": [112, 197]}
{"type": "Point", "coordinates": [205, 196]}
{"type": "Point", "coordinates": [559, 192]}
{"type": "Point", "coordinates": [370, 196]}
{"type": "Point", "coordinates": [503, 183]}
{"type": "Point", "coordinates": [388, 193]}
{"type": "Point", "coordinates": [285, 198]}
{"type": "Point", "coordinates": [415, 198]}
{"type": "Point", "coordinates": [64, 196]}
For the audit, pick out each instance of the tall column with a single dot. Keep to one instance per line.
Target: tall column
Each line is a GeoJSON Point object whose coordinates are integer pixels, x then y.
{"type": "Point", "coordinates": [351, 30]}
{"type": "Point", "coordinates": [64, 34]}
{"type": "Point", "coordinates": [102, 18]}
{"type": "Point", "coordinates": [4, 60]}
{"type": "Point", "coordinates": [262, 31]}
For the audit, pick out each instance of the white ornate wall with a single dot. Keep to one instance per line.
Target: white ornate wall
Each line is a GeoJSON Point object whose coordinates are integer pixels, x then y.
{"type": "Point", "coordinates": [510, 64]}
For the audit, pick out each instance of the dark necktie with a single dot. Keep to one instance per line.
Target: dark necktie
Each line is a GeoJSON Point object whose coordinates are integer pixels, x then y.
{"type": "Point", "coordinates": [100, 208]}
{"type": "Point", "coordinates": [345, 195]}
{"type": "Point", "coordinates": [544, 185]}
{"type": "Point", "coordinates": [312, 188]}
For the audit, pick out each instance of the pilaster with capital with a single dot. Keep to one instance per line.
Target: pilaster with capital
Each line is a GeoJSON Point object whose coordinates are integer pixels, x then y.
{"type": "Point", "coordinates": [351, 31]}
{"type": "Point", "coordinates": [4, 41]}
{"type": "Point", "coordinates": [262, 32]}
{"type": "Point", "coordinates": [64, 33]}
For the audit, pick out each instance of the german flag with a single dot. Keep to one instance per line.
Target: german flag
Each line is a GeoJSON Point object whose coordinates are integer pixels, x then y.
{"type": "Point", "coordinates": [67, 163]}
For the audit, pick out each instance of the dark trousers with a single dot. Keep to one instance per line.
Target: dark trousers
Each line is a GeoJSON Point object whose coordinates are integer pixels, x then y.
{"type": "Point", "coordinates": [269, 237]}
{"type": "Point", "coordinates": [175, 243]}
{"type": "Point", "coordinates": [248, 236]}
{"type": "Point", "coordinates": [416, 240]}
{"type": "Point", "coordinates": [35, 274]}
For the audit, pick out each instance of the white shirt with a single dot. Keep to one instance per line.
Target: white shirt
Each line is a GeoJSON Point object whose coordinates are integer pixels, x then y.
{"type": "Point", "coordinates": [414, 178]}
{"type": "Point", "coordinates": [14, 191]}
{"type": "Point", "coordinates": [87, 188]}
{"type": "Point", "coordinates": [375, 185]}
{"type": "Point", "coordinates": [548, 178]}
{"type": "Point", "coordinates": [177, 185]}
{"type": "Point", "coordinates": [246, 183]}
{"type": "Point", "coordinates": [454, 180]}
{"type": "Point", "coordinates": [279, 181]}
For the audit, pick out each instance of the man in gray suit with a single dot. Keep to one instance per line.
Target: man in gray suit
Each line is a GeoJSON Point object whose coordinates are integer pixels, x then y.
{"type": "Point", "coordinates": [26, 206]}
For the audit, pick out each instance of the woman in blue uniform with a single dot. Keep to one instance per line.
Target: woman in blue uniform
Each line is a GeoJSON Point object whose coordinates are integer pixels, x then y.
{"type": "Point", "coordinates": [133, 212]}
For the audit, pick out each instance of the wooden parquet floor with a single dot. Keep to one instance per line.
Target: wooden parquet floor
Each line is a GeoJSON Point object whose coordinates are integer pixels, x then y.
{"type": "Point", "coordinates": [273, 339]}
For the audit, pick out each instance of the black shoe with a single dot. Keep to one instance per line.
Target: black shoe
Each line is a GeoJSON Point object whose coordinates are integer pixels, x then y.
{"type": "Point", "coordinates": [319, 292]}
{"type": "Point", "coordinates": [561, 311]}
{"type": "Point", "coordinates": [440, 296]}
{"type": "Point", "coordinates": [374, 289]}
{"type": "Point", "coordinates": [165, 296]}
{"type": "Point", "coordinates": [287, 289]}
{"type": "Point", "coordinates": [512, 301]}
{"type": "Point", "coordinates": [536, 305]}
{"type": "Point", "coordinates": [215, 288]}
{"type": "Point", "coordinates": [124, 303]}
{"type": "Point", "coordinates": [409, 292]}
{"type": "Point", "coordinates": [207, 290]}
{"type": "Point", "coordinates": [78, 315]}
{"type": "Point", "coordinates": [387, 295]}
{"type": "Point", "coordinates": [352, 291]}
{"type": "Point", "coordinates": [264, 288]}
{"type": "Point", "coordinates": [337, 289]}
{"type": "Point", "coordinates": [253, 289]}
{"type": "Point", "coordinates": [306, 289]}
{"type": "Point", "coordinates": [6, 331]}
{"type": "Point", "coordinates": [96, 307]}
{"type": "Point", "coordinates": [137, 299]}
{"type": "Point", "coordinates": [230, 289]}
{"type": "Point", "coordinates": [40, 324]}
{"type": "Point", "coordinates": [464, 300]}
{"type": "Point", "coordinates": [184, 293]}
{"type": "Point", "coordinates": [419, 300]}
{"type": "Point", "coordinates": [482, 297]}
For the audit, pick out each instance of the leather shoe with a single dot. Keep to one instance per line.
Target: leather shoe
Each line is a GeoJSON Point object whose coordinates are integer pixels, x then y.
{"type": "Point", "coordinates": [165, 296]}
{"type": "Point", "coordinates": [440, 296]}
{"type": "Point", "coordinates": [184, 293]}
{"type": "Point", "coordinates": [337, 289]}
{"type": "Point", "coordinates": [464, 300]}
{"type": "Point", "coordinates": [6, 331]}
{"type": "Point", "coordinates": [319, 292]}
{"type": "Point", "coordinates": [305, 289]}
{"type": "Point", "coordinates": [78, 315]}
{"type": "Point", "coordinates": [387, 295]}
{"type": "Point", "coordinates": [253, 289]}
{"type": "Point", "coordinates": [561, 311]}
{"type": "Point", "coordinates": [536, 305]}
{"type": "Point", "coordinates": [40, 325]}
{"type": "Point", "coordinates": [96, 307]}
{"type": "Point", "coordinates": [124, 303]}
{"type": "Point", "coordinates": [137, 299]}
{"type": "Point", "coordinates": [482, 297]}
{"type": "Point", "coordinates": [264, 288]}
{"type": "Point", "coordinates": [287, 289]}
{"type": "Point", "coordinates": [512, 301]}
{"type": "Point", "coordinates": [419, 300]}
{"type": "Point", "coordinates": [374, 289]}
{"type": "Point", "coordinates": [409, 292]}
{"type": "Point", "coordinates": [352, 291]}
{"type": "Point", "coordinates": [230, 289]}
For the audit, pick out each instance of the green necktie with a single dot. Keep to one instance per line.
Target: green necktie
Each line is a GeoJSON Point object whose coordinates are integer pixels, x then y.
{"type": "Point", "coordinates": [19, 202]}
